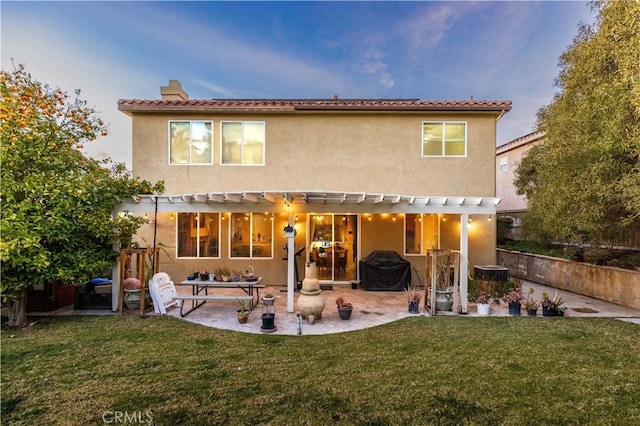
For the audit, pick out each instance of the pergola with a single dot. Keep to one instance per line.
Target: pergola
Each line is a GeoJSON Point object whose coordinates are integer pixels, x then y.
{"type": "Point", "coordinates": [314, 201]}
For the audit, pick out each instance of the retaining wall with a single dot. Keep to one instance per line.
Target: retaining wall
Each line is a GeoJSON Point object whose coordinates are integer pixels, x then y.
{"type": "Point", "coordinates": [620, 286]}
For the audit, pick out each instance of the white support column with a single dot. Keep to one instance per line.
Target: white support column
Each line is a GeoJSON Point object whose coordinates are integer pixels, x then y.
{"type": "Point", "coordinates": [291, 259]}
{"type": "Point", "coordinates": [464, 261]}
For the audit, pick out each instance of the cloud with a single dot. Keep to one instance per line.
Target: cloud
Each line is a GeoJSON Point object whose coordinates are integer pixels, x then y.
{"type": "Point", "coordinates": [372, 62]}
{"type": "Point", "coordinates": [221, 91]}
{"type": "Point", "coordinates": [431, 25]}
{"type": "Point", "coordinates": [386, 80]}
{"type": "Point", "coordinates": [248, 63]}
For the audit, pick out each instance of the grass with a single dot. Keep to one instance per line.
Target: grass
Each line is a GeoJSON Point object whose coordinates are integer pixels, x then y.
{"type": "Point", "coordinates": [421, 370]}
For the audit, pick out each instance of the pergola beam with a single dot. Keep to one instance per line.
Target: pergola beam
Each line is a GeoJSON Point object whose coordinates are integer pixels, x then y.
{"type": "Point", "coordinates": [308, 202]}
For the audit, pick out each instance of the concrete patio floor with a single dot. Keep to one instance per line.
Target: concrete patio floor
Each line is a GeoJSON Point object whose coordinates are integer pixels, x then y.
{"type": "Point", "coordinates": [371, 308]}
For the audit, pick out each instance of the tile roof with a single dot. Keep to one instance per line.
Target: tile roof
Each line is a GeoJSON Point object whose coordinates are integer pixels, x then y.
{"type": "Point", "coordinates": [522, 140]}
{"type": "Point", "coordinates": [280, 105]}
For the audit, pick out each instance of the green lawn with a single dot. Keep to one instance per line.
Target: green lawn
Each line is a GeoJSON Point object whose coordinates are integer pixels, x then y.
{"type": "Point", "coordinates": [421, 370]}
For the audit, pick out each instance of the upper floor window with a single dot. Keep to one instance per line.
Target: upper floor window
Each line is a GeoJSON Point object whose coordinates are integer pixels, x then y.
{"type": "Point", "coordinates": [198, 235]}
{"type": "Point", "coordinates": [504, 164]}
{"type": "Point", "coordinates": [444, 139]}
{"type": "Point", "coordinates": [243, 142]}
{"type": "Point", "coordinates": [251, 235]}
{"type": "Point", "coordinates": [190, 142]}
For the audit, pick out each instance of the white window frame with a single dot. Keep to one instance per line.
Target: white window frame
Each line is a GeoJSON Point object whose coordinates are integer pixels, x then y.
{"type": "Point", "coordinates": [242, 142]}
{"type": "Point", "coordinates": [197, 256]}
{"type": "Point", "coordinates": [504, 164]}
{"type": "Point", "coordinates": [190, 162]}
{"type": "Point", "coordinates": [251, 256]}
{"type": "Point", "coordinates": [444, 154]}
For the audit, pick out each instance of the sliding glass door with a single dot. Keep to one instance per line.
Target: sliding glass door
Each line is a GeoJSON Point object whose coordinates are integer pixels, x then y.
{"type": "Point", "coordinates": [333, 246]}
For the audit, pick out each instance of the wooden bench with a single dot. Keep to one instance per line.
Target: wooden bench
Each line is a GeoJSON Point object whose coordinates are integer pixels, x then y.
{"type": "Point", "coordinates": [203, 298]}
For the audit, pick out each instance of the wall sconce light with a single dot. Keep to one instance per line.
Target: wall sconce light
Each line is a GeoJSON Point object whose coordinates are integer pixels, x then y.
{"type": "Point", "coordinates": [289, 231]}
{"type": "Point", "coordinates": [369, 216]}
{"type": "Point", "coordinates": [470, 219]}
{"type": "Point", "coordinates": [489, 218]}
{"type": "Point", "coordinates": [171, 216]}
{"type": "Point", "coordinates": [393, 218]}
{"type": "Point", "coordinates": [444, 218]}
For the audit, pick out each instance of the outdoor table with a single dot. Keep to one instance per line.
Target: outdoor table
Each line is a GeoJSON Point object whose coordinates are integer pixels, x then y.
{"type": "Point", "coordinates": [200, 292]}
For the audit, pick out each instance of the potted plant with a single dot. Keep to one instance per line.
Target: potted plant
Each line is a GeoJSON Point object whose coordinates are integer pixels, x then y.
{"type": "Point", "coordinates": [344, 308]}
{"type": "Point", "coordinates": [444, 287]}
{"type": "Point", "coordinates": [483, 301]}
{"type": "Point", "coordinates": [514, 299]}
{"type": "Point", "coordinates": [413, 298]}
{"type": "Point", "coordinates": [268, 313]}
{"type": "Point", "coordinates": [243, 311]}
{"type": "Point", "coordinates": [222, 273]}
{"type": "Point", "coordinates": [531, 304]}
{"type": "Point", "coordinates": [132, 292]}
{"type": "Point", "coordinates": [268, 299]}
{"type": "Point", "coordinates": [552, 306]}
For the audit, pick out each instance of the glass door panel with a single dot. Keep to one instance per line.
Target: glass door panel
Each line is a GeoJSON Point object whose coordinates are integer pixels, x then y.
{"type": "Point", "coordinates": [333, 246]}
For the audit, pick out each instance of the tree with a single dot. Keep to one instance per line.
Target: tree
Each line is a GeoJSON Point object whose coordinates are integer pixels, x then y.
{"type": "Point", "coordinates": [57, 222]}
{"type": "Point", "coordinates": [583, 182]}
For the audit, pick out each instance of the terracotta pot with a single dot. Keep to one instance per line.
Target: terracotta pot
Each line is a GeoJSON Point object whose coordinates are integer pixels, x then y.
{"type": "Point", "coordinates": [243, 316]}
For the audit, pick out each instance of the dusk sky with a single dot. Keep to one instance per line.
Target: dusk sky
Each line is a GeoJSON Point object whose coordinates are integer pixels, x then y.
{"type": "Point", "coordinates": [426, 50]}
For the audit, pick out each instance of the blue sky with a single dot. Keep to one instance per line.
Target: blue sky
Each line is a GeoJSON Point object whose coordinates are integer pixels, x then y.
{"type": "Point", "coordinates": [427, 50]}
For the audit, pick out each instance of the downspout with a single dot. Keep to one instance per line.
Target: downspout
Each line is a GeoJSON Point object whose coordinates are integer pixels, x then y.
{"type": "Point", "coordinates": [503, 112]}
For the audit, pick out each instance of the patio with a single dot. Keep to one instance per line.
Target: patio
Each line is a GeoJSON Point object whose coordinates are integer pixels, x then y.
{"type": "Point", "coordinates": [373, 308]}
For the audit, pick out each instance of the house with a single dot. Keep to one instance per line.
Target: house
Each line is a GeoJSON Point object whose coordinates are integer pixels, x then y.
{"type": "Point", "coordinates": [351, 176]}
{"type": "Point", "coordinates": [508, 157]}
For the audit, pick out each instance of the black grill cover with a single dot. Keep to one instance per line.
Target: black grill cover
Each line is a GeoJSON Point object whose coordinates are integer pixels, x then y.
{"type": "Point", "coordinates": [385, 271]}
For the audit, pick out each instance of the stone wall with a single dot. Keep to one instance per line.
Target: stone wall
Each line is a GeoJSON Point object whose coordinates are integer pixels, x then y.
{"type": "Point", "coordinates": [614, 285]}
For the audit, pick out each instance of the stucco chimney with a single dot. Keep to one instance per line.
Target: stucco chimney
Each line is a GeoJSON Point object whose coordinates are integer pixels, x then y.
{"type": "Point", "coordinates": [173, 92]}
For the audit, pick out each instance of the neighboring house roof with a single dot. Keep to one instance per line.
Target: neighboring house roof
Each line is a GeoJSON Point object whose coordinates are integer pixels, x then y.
{"type": "Point", "coordinates": [279, 105]}
{"type": "Point", "coordinates": [522, 140]}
